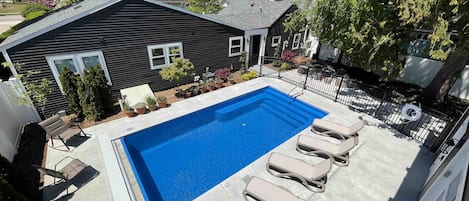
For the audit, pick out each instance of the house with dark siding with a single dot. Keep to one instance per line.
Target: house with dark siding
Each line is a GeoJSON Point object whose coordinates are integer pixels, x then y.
{"type": "Point", "coordinates": [262, 22]}
{"type": "Point", "coordinates": [130, 39]}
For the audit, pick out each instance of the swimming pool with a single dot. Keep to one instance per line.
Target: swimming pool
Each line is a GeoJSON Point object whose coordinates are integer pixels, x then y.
{"type": "Point", "coordinates": [183, 158]}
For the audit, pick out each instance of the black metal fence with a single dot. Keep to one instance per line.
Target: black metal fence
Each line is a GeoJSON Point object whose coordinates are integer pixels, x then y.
{"type": "Point", "coordinates": [325, 81]}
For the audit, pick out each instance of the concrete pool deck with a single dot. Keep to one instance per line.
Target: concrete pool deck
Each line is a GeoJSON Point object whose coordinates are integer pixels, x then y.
{"type": "Point", "coordinates": [384, 166]}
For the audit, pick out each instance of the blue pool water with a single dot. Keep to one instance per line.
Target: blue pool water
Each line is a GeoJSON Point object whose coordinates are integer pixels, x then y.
{"type": "Point", "coordinates": [183, 158]}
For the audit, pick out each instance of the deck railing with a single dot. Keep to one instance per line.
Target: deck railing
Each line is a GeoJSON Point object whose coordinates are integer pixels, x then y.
{"type": "Point", "coordinates": [337, 86]}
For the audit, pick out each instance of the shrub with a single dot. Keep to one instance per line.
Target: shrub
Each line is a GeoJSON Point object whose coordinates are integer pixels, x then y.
{"type": "Point", "coordinates": [33, 7]}
{"type": "Point", "coordinates": [288, 55]}
{"type": "Point", "coordinates": [222, 73]}
{"type": "Point", "coordinates": [95, 94]}
{"type": "Point", "coordinates": [249, 76]}
{"type": "Point", "coordinates": [34, 14]}
{"type": "Point", "coordinates": [179, 69]}
{"type": "Point", "coordinates": [285, 66]}
{"type": "Point", "coordinates": [150, 100]}
{"type": "Point", "coordinates": [69, 82]}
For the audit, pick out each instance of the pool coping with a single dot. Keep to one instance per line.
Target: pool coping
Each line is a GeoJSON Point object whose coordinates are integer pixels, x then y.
{"type": "Point", "coordinates": [125, 126]}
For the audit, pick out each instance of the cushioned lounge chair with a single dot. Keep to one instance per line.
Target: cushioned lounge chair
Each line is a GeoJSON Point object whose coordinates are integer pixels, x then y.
{"type": "Point", "coordinates": [283, 166]}
{"type": "Point", "coordinates": [318, 147]}
{"type": "Point", "coordinates": [56, 128]}
{"type": "Point", "coordinates": [325, 127]}
{"type": "Point", "coordinates": [260, 189]}
{"type": "Point", "coordinates": [69, 172]}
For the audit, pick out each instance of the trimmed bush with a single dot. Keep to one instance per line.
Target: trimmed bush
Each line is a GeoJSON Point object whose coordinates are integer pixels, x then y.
{"type": "Point", "coordinates": [249, 76]}
{"type": "Point", "coordinates": [34, 14]}
{"type": "Point", "coordinates": [69, 82]}
{"type": "Point", "coordinates": [285, 66]}
{"type": "Point", "coordinates": [94, 93]}
{"type": "Point", "coordinates": [33, 7]}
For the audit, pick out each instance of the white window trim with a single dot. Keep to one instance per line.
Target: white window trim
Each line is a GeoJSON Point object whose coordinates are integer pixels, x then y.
{"type": "Point", "coordinates": [240, 38]}
{"type": "Point", "coordinates": [76, 57]}
{"type": "Point", "coordinates": [166, 54]}
{"type": "Point", "coordinates": [278, 38]}
{"type": "Point", "coordinates": [296, 41]}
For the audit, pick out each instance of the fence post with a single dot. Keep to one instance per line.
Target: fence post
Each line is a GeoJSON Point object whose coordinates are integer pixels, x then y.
{"type": "Point", "coordinates": [306, 79]}
{"type": "Point", "coordinates": [338, 90]}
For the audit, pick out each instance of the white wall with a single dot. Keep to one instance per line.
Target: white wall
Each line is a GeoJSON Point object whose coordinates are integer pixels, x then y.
{"type": "Point", "coordinates": [460, 88]}
{"type": "Point", "coordinates": [419, 71]}
{"type": "Point", "coordinates": [12, 117]}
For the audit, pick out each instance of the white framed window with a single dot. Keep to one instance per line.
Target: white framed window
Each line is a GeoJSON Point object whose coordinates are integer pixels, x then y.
{"type": "Point", "coordinates": [296, 41]}
{"type": "Point", "coordinates": [276, 41]}
{"type": "Point", "coordinates": [77, 63]}
{"type": "Point", "coordinates": [236, 46]}
{"type": "Point", "coordinates": [162, 55]}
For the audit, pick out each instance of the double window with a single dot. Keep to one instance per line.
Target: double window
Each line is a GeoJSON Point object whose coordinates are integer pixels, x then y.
{"type": "Point", "coordinates": [162, 55]}
{"type": "Point", "coordinates": [276, 41]}
{"type": "Point", "coordinates": [236, 46]}
{"type": "Point", "coordinates": [296, 41]}
{"type": "Point", "coordinates": [77, 63]}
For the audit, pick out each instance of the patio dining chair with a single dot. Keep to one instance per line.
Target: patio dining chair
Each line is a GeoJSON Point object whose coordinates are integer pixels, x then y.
{"type": "Point", "coordinates": [56, 128]}
{"type": "Point", "coordinates": [71, 171]}
{"type": "Point", "coordinates": [313, 177]}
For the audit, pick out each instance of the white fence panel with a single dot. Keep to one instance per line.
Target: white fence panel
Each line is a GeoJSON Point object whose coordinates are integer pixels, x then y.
{"type": "Point", "coordinates": [13, 117]}
{"type": "Point", "coordinates": [460, 88]}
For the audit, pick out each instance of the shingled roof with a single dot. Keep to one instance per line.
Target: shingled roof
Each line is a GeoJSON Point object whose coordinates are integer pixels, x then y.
{"type": "Point", "coordinates": [75, 12]}
{"type": "Point", "coordinates": [253, 14]}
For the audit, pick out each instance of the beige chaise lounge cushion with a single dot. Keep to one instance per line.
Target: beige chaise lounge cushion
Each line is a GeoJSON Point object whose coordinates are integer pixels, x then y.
{"type": "Point", "coordinates": [305, 170]}
{"type": "Point", "coordinates": [264, 190]}
{"type": "Point", "coordinates": [338, 128]}
{"type": "Point", "coordinates": [324, 145]}
{"type": "Point", "coordinates": [55, 126]}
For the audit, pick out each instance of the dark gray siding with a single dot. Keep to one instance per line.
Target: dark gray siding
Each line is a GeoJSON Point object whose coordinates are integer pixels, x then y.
{"type": "Point", "coordinates": [127, 28]}
{"type": "Point", "coordinates": [278, 29]}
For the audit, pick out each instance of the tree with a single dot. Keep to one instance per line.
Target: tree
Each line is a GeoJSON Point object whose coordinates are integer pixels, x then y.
{"type": "Point", "coordinates": [373, 33]}
{"type": "Point", "coordinates": [70, 85]}
{"type": "Point", "coordinates": [205, 6]}
{"type": "Point", "coordinates": [36, 91]}
{"type": "Point", "coordinates": [94, 93]}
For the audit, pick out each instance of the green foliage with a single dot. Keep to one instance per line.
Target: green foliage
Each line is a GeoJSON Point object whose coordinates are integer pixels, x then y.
{"type": "Point", "coordinates": [35, 14]}
{"type": "Point", "coordinates": [178, 70]}
{"type": "Point", "coordinates": [69, 82]}
{"type": "Point", "coordinates": [37, 90]}
{"type": "Point", "coordinates": [161, 98]}
{"type": "Point", "coordinates": [150, 100]}
{"type": "Point", "coordinates": [94, 93]}
{"type": "Point", "coordinates": [205, 6]}
{"type": "Point", "coordinates": [126, 106]}
{"type": "Point", "coordinates": [249, 76]}
{"type": "Point", "coordinates": [285, 66]}
{"type": "Point", "coordinates": [367, 31]}
{"type": "Point", "coordinates": [33, 7]}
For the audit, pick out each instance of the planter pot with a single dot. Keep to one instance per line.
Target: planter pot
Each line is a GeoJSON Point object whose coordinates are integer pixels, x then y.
{"type": "Point", "coordinates": [231, 81]}
{"type": "Point", "coordinates": [211, 87]}
{"type": "Point", "coordinates": [153, 107]}
{"type": "Point", "coordinates": [130, 113]}
{"type": "Point", "coordinates": [220, 85]}
{"type": "Point", "coordinates": [203, 89]}
{"type": "Point", "coordinates": [141, 110]}
{"type": "Point", "coordinates": [187, 94]}
{"type": "Point", "coordinates": [163, 104]}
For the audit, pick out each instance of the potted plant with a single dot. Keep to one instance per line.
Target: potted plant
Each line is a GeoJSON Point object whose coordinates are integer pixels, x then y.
{"type": "Point", "coordinates": [188, 93]}
{"type": "Point", "coordinates": [162, 101]}
{"type": "Point", "coordinates": [219, 83]}
{"type": "Point", "coordinates": [203, 86]}
{"type": "Point", "coordinates": [179, 69]}
{"type": "Point", "coordinates": [151, 102]}
{"type": "Point", "coordinates": [141, 108]}
{"type": "Point", "coordinates": [128, 110]}
{"type": "Point", "coordinates": [195, 90]}
{"type": "Point", "coordinates": [211, 84]}
{"type": "Point", "coordinates": [222, 73]}
{"type": "Point", "coordinates": [231, 79]}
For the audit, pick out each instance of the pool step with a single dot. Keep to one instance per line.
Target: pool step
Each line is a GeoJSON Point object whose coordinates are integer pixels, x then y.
{"type": "Point", "coordinates": [234, 110]}
{"type": "Point", "coordinates": [315, 113]}
{"type": "Point", "coordinates": [280, 111]}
